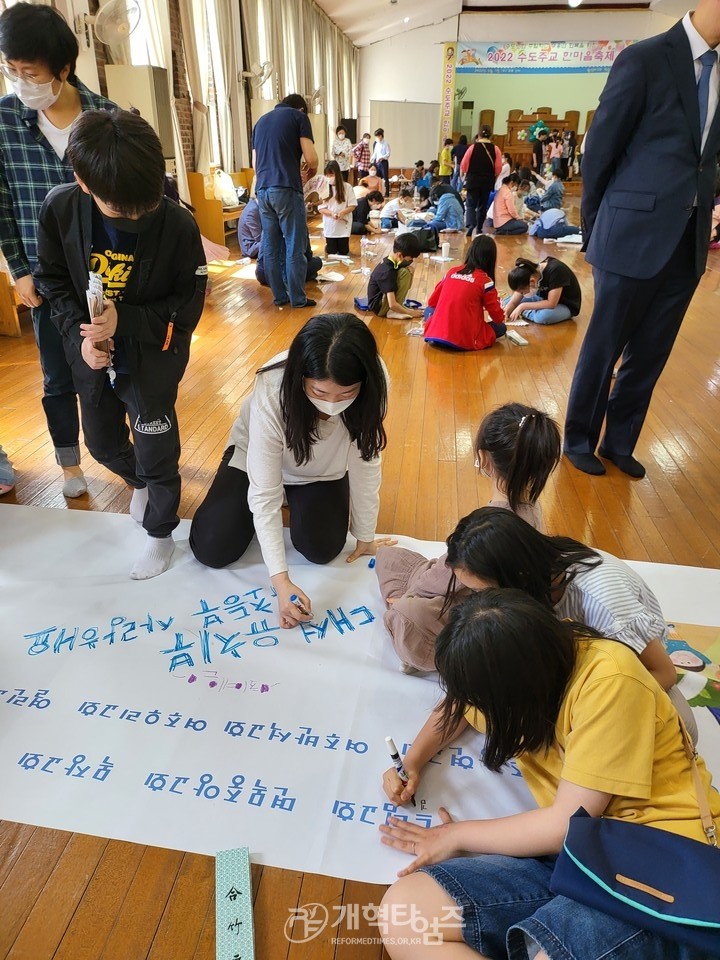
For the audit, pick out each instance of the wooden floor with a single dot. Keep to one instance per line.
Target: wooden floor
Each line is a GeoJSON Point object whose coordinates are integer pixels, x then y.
{"type": "Point", "coordinates": [75, 897]}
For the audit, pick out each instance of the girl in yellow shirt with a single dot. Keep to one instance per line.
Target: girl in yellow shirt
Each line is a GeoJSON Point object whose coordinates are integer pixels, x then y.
{"type": "Point", "coordinates": [590, 727]}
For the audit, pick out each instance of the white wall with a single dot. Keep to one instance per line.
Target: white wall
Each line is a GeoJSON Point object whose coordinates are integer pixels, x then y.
{"type": "Point", "coordinates": [409, 66]}
{"type": "Point", "coordinates": [406, 67]}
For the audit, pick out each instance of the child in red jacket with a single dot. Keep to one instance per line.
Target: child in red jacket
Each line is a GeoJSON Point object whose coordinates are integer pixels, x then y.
{"type": "Point", "coordinates": [455, 316]}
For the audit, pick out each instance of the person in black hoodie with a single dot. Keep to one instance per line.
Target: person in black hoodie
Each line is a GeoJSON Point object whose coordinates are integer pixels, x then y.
{"type": "Point", "coordinates": [126, 363]}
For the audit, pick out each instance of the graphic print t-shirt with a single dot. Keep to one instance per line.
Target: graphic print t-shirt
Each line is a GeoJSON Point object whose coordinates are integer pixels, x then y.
{"type": "Point", "coordinates": [112, 256]}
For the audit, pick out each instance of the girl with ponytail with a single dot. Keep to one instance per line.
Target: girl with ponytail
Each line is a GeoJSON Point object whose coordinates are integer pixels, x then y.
{"type": "Point", "coordinates": [517, 448]}
{"type": "Point", "coordinates": [546, 292]}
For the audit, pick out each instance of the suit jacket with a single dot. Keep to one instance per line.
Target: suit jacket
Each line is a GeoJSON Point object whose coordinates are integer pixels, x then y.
{"type": "Point", "coordinates": [643, 167]}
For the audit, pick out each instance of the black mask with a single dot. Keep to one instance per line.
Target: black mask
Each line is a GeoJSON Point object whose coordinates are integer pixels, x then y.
{"type": "Point", "coordinates": [126, 225]}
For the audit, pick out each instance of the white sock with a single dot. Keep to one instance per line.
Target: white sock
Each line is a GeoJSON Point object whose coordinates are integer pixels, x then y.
{"type": "Point", "coordinates": [138, 503]}
{"type": "Point", "coordinates": [155, 558]}
{"type": "Point", "coordinates": [74, 486]}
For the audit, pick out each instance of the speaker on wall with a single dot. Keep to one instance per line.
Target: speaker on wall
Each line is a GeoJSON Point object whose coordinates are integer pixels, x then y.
{"type": "Point", "coordinates": [351, 128]}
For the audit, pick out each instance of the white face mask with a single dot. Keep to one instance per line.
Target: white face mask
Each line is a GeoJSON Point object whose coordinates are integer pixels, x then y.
{"type": "Point", "coordinates": [331, 409]}
{"type": "Point", "coordinates": [341, 136]}
{"type": "Point", "coordinates": [36, 96]}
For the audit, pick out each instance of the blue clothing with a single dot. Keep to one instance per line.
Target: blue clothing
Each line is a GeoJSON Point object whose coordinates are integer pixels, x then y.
{"type": "Point", "coordinates": [285, 237]}
{"type": "Point", "coordinates": [553, 197]}
{"type": "Point", "coordinates": [644, 166]}
{"type": "Point", "coordinates": [648, 189]}
{"type": "Point", "coordinates": [451, 212]}
{"type": "Point", "coordinates": [548, 316]}
{"type": "Point", "coordinates": [506, 901]}
{"type": "Point", "coordinates": [276, 142]}
{"type": "Point", "coordinates": [29, 169]}
{"type": "Point", "coordinates": [59, 400]}
{"type": "Point", "coordinates": [250, 230]}
{"type": "Point", "coordinates": [552, 224]}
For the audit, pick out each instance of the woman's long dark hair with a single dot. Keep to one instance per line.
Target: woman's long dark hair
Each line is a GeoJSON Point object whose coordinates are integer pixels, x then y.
{"type": "Point", "coordinates": [482, 255]}
{"type": "Point", "coordinates": [509, 657]}
{"type": "Point", "coordinates": [337, 347]}
{"type": "Point", "coordinates": [497, 545]}
{"type": "Point", "coordinates": [338, 188]}
{"type": "Point", "coordinates": [524, 444]}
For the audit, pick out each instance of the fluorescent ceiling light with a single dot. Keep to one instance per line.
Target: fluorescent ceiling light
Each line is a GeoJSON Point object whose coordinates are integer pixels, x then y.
{"type": "Point", "coordinates": [574, 3]}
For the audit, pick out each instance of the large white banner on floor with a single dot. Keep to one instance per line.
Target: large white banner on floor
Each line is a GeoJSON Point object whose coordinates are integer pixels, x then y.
{"type": "Point", "coordinates": [175, 712]}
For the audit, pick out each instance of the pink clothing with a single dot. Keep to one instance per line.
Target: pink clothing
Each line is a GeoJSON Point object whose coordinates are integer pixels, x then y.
{"type": "Point", "coordinates": [504, 208]}
{"type": "Point", "coordinates": [418, 586]}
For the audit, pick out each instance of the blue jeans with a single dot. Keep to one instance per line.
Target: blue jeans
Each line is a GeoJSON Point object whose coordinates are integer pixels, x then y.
{"type": "Point", "coordinates": [59, 397]}
{"type": "Point", "coordinates": [507, 902]}
{"type": "Point", "coordinates": [389, 223]}
{"type": "Point", "coordinates": [548, 316]}
{"type": "Point", "coordinates": [285, 238]}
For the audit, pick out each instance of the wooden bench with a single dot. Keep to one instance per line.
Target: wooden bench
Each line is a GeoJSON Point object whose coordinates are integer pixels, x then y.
{"type": "Point", "coordinates": [212, 218]}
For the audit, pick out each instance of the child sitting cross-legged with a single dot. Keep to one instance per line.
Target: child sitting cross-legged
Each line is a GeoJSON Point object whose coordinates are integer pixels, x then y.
{"type": "Point", "coordinates": [455, 316]}
{"type": "Point", "coordinates": [391, 280]}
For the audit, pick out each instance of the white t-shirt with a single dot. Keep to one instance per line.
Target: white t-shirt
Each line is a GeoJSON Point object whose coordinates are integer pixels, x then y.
{"type": "Point", "coordinates": [614, 600]}
{"type": "Point", "coordinates": [58, 139]}
{"type": "Point", "coordinates": [339, 228]}
{"type": "Point", "coordinates": [261, 451]}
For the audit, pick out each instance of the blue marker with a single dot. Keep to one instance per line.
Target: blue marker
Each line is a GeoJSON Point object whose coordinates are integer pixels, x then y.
{"type": "Point", "coordinates": [300, 605]}
{"type": "Point", "coordinates": [372, 563]}
{"type": "Point", "coordinates": [398, 764]}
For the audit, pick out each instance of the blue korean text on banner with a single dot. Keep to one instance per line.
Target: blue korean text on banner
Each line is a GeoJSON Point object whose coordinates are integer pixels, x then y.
{"type": "Point", "coordinates": [233, 896]}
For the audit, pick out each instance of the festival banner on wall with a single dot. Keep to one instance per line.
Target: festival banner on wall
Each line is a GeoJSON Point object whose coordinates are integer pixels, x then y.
{"type": "Point", "coordinates": [546, 56]}
{"type": "Point", "coordinates": [447, 100]}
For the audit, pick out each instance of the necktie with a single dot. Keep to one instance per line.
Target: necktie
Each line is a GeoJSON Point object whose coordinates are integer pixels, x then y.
{"type": "Point", "coordinates": [708, 60]}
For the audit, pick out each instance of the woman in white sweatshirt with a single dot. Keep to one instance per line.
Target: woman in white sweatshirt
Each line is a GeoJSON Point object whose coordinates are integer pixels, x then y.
{"type": "Point", "coordinates": [311, 432]}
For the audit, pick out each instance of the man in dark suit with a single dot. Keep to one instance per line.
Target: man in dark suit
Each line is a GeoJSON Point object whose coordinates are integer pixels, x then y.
{"type": "Point", "coordinates": [648, 182]}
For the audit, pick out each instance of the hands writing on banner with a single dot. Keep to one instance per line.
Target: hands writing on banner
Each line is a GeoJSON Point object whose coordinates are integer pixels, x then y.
{"type": "Point", "coordinates": [292, 612]}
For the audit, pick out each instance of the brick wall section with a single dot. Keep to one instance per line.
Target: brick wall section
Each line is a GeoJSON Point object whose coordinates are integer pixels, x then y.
{"type": "Point", "coordinates": [183, 102]}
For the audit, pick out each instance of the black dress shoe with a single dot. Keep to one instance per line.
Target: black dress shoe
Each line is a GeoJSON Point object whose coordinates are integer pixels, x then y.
{"type": "Point", "coordinates": [308, 303]}
{"type": "Point", "coordinates": [587, 462]}
{"type": "Point", "coordinates": [629, 465]}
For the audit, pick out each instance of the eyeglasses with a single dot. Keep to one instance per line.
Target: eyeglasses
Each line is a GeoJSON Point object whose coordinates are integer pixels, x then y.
{"type": "Point", "coordinates": [12, 74]}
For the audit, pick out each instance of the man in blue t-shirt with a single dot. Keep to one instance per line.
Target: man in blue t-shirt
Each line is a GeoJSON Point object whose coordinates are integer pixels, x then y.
{"type": "Point", "coordinates": [281, 139]}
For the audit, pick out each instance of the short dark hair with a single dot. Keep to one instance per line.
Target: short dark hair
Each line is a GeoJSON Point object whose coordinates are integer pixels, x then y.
{"type": "Point", "coordinates": [339, 128]}
{"type": "Point", "coordinates": [477, 656]}
{"type": "Point", "coordinates": [423, 192]}
{"type": "Point", "coordinates": [375, 197]}
{"type": "Point", "coordinates": [366, 135]}
{"type": "Point", "coordinates": [407, 244]}
{"type": "Point", "coordinates": [511, 178]}
{"type": "Point", "coordinates": [295, 101]}
{"type": "Point", "coordinates": [379, 132]}
{"type": "Point", "coordinates": [419, 163]}
{"type": "Point", "coordinates": [406, 193]}
{"type": "Point", "coordinates": [524, 445]}
{"type": "Point", "coordinates": [448, 142]}
{"type": "Point", "coordinates": [37, 33]}
{"type": "Point", "coordinates": [338, 347]}
{"type": "Point", "coordinates": [119, 158]}
{"type": "Point", "coordinates": [496, 544]}
{"type": "Point", "coordinates": [462, 140]}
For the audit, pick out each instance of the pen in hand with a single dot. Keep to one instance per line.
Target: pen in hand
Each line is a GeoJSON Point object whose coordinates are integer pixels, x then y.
{"type": "Point", "coordinates": [398, 764]}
